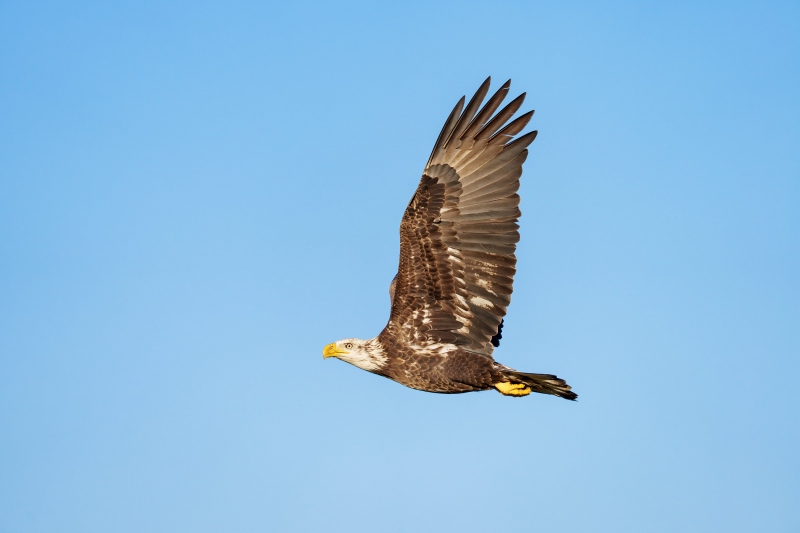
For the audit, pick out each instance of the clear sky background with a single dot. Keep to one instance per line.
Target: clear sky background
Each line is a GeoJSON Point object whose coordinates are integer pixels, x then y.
{"type": "Point", "coordinates": [196, 197]}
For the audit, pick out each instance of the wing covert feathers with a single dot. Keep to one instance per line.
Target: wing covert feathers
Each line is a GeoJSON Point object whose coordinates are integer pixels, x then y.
{"type": "Point", "coordinates": [459, 232]}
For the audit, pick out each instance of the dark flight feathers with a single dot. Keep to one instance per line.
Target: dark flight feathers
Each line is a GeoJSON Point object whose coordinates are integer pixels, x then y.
{"type": "Point", "coordinates": [459, 232]}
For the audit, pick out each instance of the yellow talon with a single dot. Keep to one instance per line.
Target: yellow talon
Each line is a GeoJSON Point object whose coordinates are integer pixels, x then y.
{"type": "Point", "coordinates": [512, 389]}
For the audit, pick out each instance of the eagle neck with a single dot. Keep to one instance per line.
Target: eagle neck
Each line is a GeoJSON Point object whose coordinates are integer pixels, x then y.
{"type": "Point", "coordinates": [376, 356]}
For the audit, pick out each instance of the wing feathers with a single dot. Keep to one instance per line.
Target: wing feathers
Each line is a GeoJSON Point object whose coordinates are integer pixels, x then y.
{"type": "Point", "coordinates": [492, 191]}
{"type": "Point", "coordinates": [485, 247]}
{"type": "Point", "coordinates": [489, 227]}
{"type": "Point", "coordinates": [508, 132]}
{"type": "Point", "coordinates": [445, 133]}
{"type": "Point", "coordinates": [486, 113]}
{"type": "Point", "coordinates": [481, 259]}
{"type": "Point", "coordinates": [498, 161]}
{"type": "Point", "coordinates": [504, 238]}
{"type": "Point", "coordinates": [469, 112]}
{"type": "Point", "coordinates": [501, 118]}
{"type": "Point", "coordinates": [459, 232]}
{"type": "Point", "coordinates": [488, 207]}
{"type": "Point", "coordinates": [509, 173]}
{"type": "Point", "coordinates": [495, 280]}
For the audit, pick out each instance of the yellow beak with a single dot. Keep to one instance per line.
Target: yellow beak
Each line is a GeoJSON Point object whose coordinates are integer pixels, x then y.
{"type": "Point", "coordinates": [332, 351]}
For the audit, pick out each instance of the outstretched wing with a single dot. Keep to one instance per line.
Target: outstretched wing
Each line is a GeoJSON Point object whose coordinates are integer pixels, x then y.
{"type": "Point", "coordinates": [459, 232]}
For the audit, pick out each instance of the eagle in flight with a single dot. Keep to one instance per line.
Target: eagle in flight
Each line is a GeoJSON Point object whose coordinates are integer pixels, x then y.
{"type": "Point", "coordinates": [457, 242]}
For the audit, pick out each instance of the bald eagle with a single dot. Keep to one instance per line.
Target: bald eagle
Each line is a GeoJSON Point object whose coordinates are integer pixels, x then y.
{"type": "Point", "coordinates": [457, 242]}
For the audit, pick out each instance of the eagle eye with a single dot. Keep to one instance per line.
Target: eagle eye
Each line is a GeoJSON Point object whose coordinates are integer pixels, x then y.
{"type": "Point", "coordinates": [348, 345]}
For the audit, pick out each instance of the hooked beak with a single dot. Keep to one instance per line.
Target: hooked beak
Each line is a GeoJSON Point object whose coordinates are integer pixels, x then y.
{"type": "Point", "coordinates": [332, 351]}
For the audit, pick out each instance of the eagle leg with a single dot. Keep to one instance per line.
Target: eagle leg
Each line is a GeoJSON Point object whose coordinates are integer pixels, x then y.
{"type": "Point", "coordinates": [512, 389]}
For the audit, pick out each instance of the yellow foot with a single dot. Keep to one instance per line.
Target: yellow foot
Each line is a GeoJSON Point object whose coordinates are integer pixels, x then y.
{"type": "Point", "coordinates": [512, 389]}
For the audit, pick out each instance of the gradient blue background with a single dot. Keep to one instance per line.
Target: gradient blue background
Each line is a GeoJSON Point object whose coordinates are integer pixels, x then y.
{"type": "Point", "coordinates": [196, 197]}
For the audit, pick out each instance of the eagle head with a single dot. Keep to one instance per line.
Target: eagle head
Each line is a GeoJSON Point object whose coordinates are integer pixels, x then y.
{"type": "Point", "coordinates": [368, 355]}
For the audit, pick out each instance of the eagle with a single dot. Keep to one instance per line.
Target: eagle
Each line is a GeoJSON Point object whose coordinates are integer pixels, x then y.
{"type": "Point", "coordinates": [458, 240]}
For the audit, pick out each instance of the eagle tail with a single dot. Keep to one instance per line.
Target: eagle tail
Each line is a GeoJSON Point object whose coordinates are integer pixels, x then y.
{"type": "Point", "coordinates": [541, 383]}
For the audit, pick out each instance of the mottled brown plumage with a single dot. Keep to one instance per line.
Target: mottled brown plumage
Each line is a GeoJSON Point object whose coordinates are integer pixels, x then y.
{"type": "Point", "coordinates": [457, 242]}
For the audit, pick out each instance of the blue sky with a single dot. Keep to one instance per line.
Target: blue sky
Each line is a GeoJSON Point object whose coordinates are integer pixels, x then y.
{"type": "Point", "coordinates": [196, 197]}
